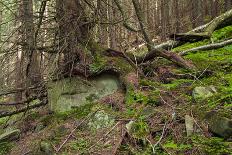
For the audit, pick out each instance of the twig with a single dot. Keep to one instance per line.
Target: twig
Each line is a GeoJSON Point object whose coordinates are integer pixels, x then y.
{"type": "Point", "coordinates": [72, 132]}
{"type": "Point", "coordinates": [105, 135]}
{"type": "Point", "coordinates": [161, 137]}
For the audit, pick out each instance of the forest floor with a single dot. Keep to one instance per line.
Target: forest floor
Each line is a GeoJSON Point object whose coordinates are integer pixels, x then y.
{"type": "Point", "coordinates": [152, 120]}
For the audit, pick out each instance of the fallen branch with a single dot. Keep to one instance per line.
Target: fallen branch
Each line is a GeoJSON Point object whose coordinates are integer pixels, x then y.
{"type": "Point", "coordinates": [13, 91]}
{"type": "Point", "coordinates": [5, 114]}
{"type": "Point", "coordinates": [208, 47]}
{"type": "Point", "coordinates": [21, 102]}
{"type": "Point", "coordinates": [161, 137]}
{"type": "Point", "coordinates": [72, 132]}
{"type": "Point", "coordinates": [206, 30]}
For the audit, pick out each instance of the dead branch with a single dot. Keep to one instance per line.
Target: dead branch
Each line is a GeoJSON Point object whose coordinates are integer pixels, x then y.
{"type": "Point", "coordinates": [72, 132]}
{"type": "Point", "coordinates": [207, 47]}
{"type": "Point", "coordinates": [206, 30]}
{"type": "Point", "coordinates": [7, 113]}
{"type": "Point", "coordinates": [22, 102]}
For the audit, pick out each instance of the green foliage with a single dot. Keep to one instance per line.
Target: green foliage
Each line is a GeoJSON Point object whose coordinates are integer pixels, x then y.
{"type": "Point", "coordinates": [217, 35]}
{"type": "Point", "coordinates": [222, 34]}
{"type": "Point", "coordinates": [98, 64]}
{"type": "Point", "coordinates": [140, 129]}
{"type": "Point", "coordinates": [213, 59]}
{"type": "Point", "coordinates": [76, 112]}
{"type": "Point", "coordinates": [191, 45]}
{"type": "Point", "coordinates": [139, 97]}
{"type": "Point", "coordinates": [177, 147]}
{"type": "Point", "coordinates": [3, 121]}
{"type": "Point", "coordinates": [211, 145]}
{"type": "Point", "coordinates": [81, 145]}
{"type": "Point", "coordinates": [176, 83]}
{"type": "Point", "coordinates": [149, 83]}
{"type": "Point", "coordinates": [5, 147]}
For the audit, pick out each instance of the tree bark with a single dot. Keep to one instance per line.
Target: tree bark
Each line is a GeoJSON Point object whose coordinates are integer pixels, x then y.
{"type": "Point", "coordinates": [152, 51]}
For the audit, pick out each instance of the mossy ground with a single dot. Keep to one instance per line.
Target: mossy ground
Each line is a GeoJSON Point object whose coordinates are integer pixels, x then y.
{"type": "Point", "coordinates": [152, 106]}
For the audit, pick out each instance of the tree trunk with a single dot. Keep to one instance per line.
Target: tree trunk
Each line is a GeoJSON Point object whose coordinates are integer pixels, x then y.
{"type": "Point", "coordinates": [33, 75]}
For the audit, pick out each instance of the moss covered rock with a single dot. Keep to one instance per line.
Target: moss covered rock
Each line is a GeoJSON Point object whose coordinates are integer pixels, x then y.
{"type": "Point", "coordinates": [219, 125]}
{"type": "Point", "coordinates": [101, 120]}
{"type": "Point", "coordinates": [200, 93]}
{"type": "Point", "coordinates": [75, 92]}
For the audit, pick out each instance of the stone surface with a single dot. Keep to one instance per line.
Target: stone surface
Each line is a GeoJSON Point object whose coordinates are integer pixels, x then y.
{"type": "Point", "coordinates": [74, 92]}
{"type": "Point", "coordinates": [219, 125]}
{"type": "Point", "coordinates": [129, 126]}
{"type": "Point", "coordinates": [200, 93]}
{"type": "Point", "coordinates": [46, 148]}
{"type": "Point", "coordinates": [101, 120]}
{"type": "Point", "coordinates": [10, 135]}
{"type": "Point", "coordinates": [39, 127]}
{"type": "Point", "coordinates": [189, 124]}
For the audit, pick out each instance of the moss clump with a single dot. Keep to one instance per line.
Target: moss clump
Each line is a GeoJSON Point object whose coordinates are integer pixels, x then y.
{"type": "Point", "coordinates": [148, 83]}
{"type": "Point", "coordinates": [139, 129]}
{"type": "Point", "coordinates": [179, 147]}
{"type": "Point", "coordinates": [151, 98]}
{"type": "Point", "coordinates": [217, 35]}
{"type": "Point", "coordinates": [191, 45]}
{"type": "Point", "coordinates": [222, 34]}
{"type": "Point", "coordinates": [176, 83]}
{"type": "Point", "coordinates": [212, 59]}
{"type": "Point", "coordinates": [5, 147]}
{"type": "Point", "coordinates": [81, 145]}
{"type": "Point", "coordinates": [98, 64]}
{"type": "Point", "coordinates": [78, 112]}
{"type": "Point", "coordinates": [213, 145]}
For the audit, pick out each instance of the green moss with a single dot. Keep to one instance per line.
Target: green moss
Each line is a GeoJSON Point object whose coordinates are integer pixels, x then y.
{"type": "Point", "coordinates": [121, 64]}
{"type": "Point", "coordinates": [81, 145]}
{"type": "Point", "coordinates": [149, 83]}
{"type": "Point", "coordinates": [151, 98]}
{"type": "Point", "coordinates": [191, 45]}
{"type": "Point", "coordinates": [211, 145]}
{"type": "Point", "coordinates": [5, 147]}
{"type": "Point", "coordinates": [98, 64]}
{"type": "Point", "coordinates": [140, 129]}
{"type": "Point", "coordinates": [222, 34]}
{"type": "Point", "coordinates": [176, 83]}
{"type": "Point", "coordinates": [78, 112]}
{"type": "Point", "coordinates": [176, 147]}
{"type": "Point", "coordinates": [217, 35]}
{"type": "Point", "coordinates": [213, 59]}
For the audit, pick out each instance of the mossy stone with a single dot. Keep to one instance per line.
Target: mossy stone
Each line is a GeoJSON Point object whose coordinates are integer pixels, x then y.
{"type": "Point", "coordinates": [219, 125]}
{"type": "Point", "coordinates": [74, 92]}
{"type": "Point", "coordinates": [200, 93]}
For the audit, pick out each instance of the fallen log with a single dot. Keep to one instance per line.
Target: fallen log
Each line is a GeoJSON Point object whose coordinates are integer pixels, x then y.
{"type": "Point", "coordinates": [207, 47]}
{"type": "Point", "coordinates": [205, 31]}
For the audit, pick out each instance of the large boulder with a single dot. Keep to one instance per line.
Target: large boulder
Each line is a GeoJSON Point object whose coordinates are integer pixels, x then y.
{"type": "Point", "coordinates": [200, 93]}
{"type": "Point", "coordinates": [10, 135]}
{"type": "Point", "coordinates": [74, 92]}
{"type": "Point", "coordinates": [219, 125]}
